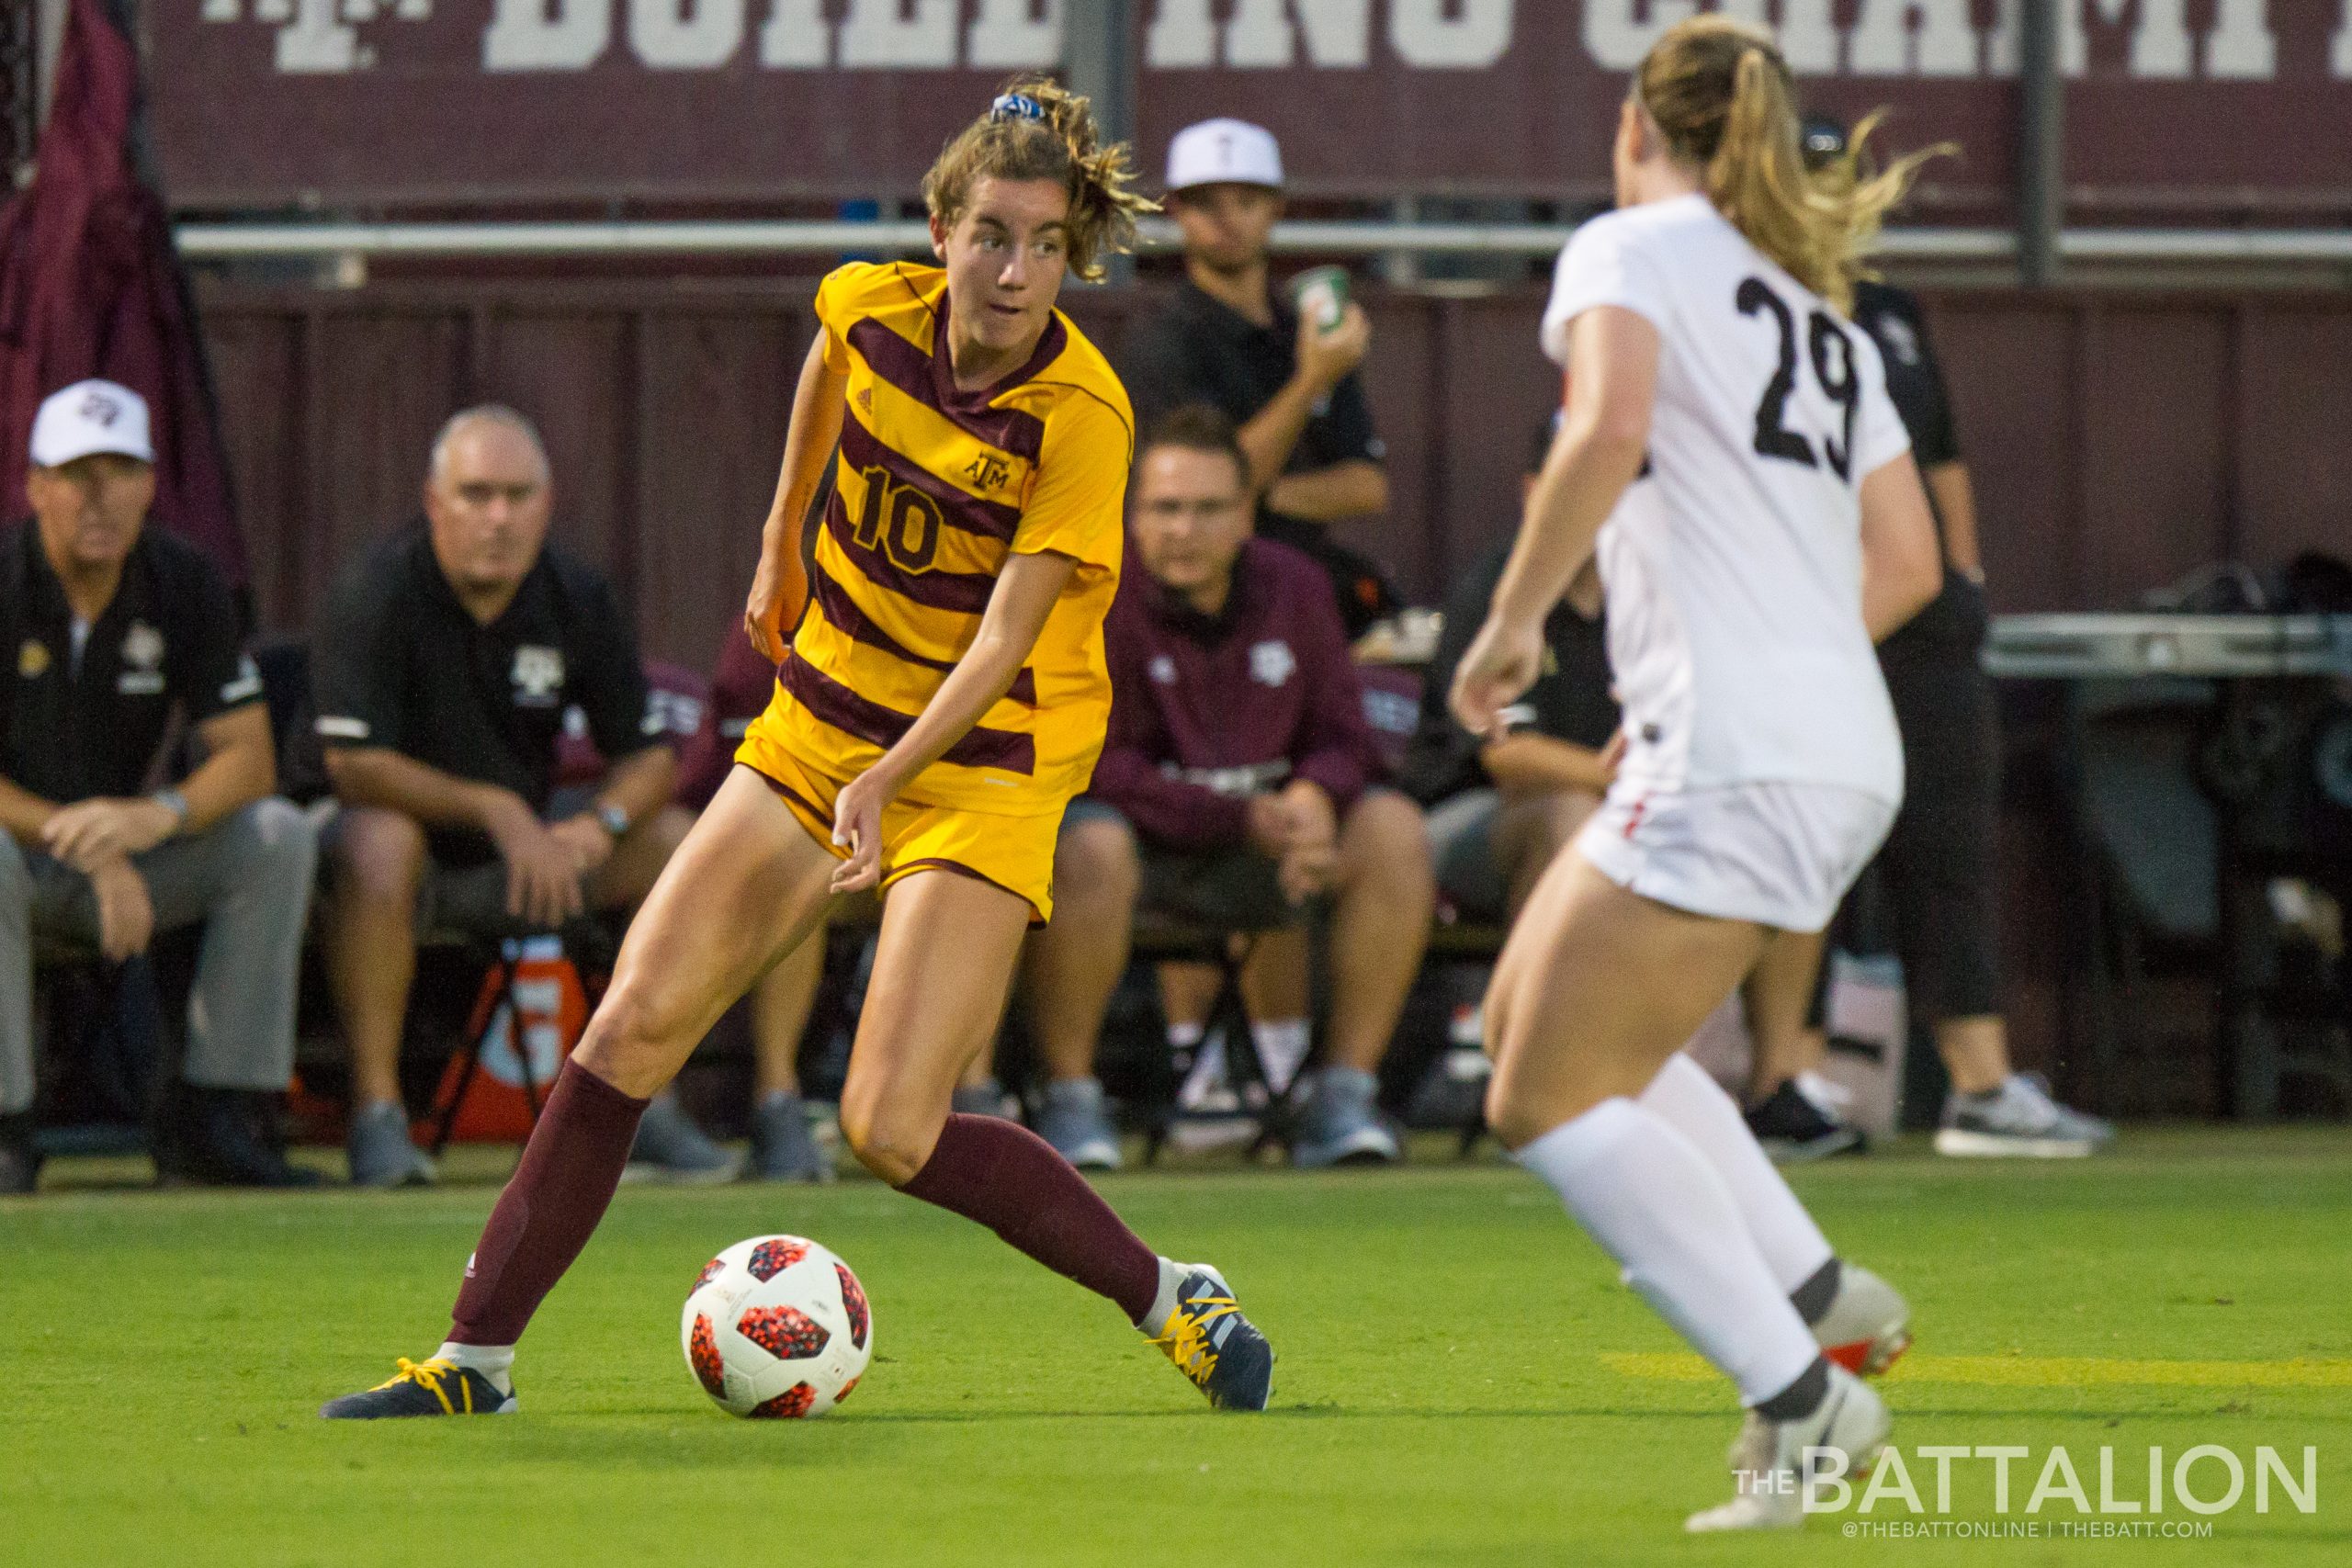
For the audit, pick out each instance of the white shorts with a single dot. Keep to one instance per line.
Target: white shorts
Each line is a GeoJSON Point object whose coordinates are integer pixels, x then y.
{"type": "Point", "coordinates": [1778, 854]}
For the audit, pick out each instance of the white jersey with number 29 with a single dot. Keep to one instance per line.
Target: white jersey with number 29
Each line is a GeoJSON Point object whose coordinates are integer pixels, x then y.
{"type": "Point", "coordinates": [1733, 566]}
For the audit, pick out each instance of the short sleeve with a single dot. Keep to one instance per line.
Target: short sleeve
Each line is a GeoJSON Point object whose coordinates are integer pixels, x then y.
{"type": "Point", "coordinates": [214, 674]}
{"type": "Point", "coordinates": [622, 718]}
{"type": "Point", "coordinates": [1879, 436]}
{"type": "Point", "coordinates": [1156, 372]}
{"type": "Point", "coordinates": [358, 659]}
{"type": "Point", "coordinates": [1342, 433]}
{"type": "Point", "coordinates": [1077, 503]}
{"type": "Point", "coordinates": [834, 313]}
{"type": "Point", "coordinates": [1603, 263]}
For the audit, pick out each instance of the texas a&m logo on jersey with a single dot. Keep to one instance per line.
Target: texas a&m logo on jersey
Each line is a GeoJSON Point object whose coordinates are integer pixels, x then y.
{"type": "Point", "coordinates": [537, 676]}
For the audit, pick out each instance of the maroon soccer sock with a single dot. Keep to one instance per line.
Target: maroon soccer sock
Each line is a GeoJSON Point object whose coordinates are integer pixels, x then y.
{"type": "Point", "coordinates": [549, 1209]}
{"type": "Point", "coordinates": [1010, 1180]}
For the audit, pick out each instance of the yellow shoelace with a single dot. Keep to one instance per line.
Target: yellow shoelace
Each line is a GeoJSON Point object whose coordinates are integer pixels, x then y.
{"type": "Point", "coordinates": [428, 1375]}
{"type": "Point", "coordinates": [1186, 1338]}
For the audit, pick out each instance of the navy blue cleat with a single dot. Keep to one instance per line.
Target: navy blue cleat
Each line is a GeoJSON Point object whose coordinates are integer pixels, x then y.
{"type": "Point", "coordinates": [1215, 1346]}
{"type": "Point", "coordinates": [431, 1387]}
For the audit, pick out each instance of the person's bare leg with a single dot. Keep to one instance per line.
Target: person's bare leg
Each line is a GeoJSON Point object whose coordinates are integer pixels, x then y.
{"type": "Point", "coordinates": [379, 858]}
{"type": "Point", "coordinates": [1595, 989]}
{"type": "Point", "coordinates": [1275, 975]}
{"type": "Point", "coordinates": [1975, 1052]}
{"type": "Point", "coordinates": [1074, 964]}
{"type": "Point", "coordinates": [781, 1004]}
{"type": "Point", "coordinates": [1380, 928]}
{"type": "Point", "coordinates": [1778, 997]}
{"type": "Point", "coordinates": [1186, 992]}
{"type": "Point", "coordinates": [748, 884]}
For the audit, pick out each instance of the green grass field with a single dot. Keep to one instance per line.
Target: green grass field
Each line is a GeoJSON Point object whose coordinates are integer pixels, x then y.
{"type": "Point", "coordinates": [1463, 1380]}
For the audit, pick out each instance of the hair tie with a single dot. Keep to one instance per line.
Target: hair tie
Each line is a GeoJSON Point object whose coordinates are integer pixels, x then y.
{"type": "Point", "coordinates": [1016, 106]}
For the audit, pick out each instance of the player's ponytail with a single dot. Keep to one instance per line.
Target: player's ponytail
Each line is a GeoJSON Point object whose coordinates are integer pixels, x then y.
{"type": "Point", "coordinates": [1038, 130]}
{"type": "Point", "coordinates": [1723, 100]}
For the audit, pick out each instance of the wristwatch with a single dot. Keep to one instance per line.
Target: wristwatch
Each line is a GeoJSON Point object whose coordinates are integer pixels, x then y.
{"type": "Point", "coordinates": [174, 802]}
{"type": "Point", "coordinates": [613, 820]}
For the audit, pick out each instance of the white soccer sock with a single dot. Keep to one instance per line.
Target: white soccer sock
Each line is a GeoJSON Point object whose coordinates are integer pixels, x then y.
{"type": "Point", "coordinates": [1689, 1099]}
{"type": "Point", "coordinates": [1656, 1205]}
{"type": "Point", "coordinates": [492, 1361]}
{"type": "Point", "coordinates": [1163, 1305]}
{"type": "Point", "coordinates": [1282, 1050]}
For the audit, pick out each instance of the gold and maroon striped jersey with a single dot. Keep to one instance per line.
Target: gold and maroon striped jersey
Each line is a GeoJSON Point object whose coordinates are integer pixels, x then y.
{"type": "Point", "coordinates": [936, 487]}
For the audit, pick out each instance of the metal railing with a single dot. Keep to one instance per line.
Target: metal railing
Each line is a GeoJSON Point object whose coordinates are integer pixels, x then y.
{"type": "Point", "coordinates": [752, 237]}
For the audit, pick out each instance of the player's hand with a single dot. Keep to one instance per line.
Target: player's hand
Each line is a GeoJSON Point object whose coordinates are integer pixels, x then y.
{"type": "Point", "coordinates": [542, 875]}
{"type": "Point", "coordinates": [1326, 357]}
{"type": "Point", "coordinates": [1501, 663]}
{"type": "Point", "coordinates": [857, 827]}
{"type": "Point", "coordinates": [126, 913]}
{"type": "Point", "coordinates": [586, 841]}
{"type": "Point", "coordinates": [90, 832]}
{"type": "Point", "coordinates": [777, 589]}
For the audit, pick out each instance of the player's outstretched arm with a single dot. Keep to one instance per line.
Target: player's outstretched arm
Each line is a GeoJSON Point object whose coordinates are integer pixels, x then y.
{"type": "Point", "coordinates": [781, 584]}
{"type": "Point", "coordinates": [1024, 596]}
{"type": "Point", "coordinates": [1604, 429]}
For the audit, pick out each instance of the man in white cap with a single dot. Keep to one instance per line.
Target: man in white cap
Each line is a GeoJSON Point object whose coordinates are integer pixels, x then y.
{"type": "Point", "coordinates": [114, 626]}
{"type": "Point", "coordinates": [1229, 339]}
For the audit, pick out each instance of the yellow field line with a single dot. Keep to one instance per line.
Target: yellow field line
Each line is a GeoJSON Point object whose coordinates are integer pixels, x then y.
{"type": "Point", "coordinates": [2040, 1372]}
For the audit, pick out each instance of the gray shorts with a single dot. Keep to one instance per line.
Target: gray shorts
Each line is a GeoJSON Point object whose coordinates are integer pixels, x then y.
{"type": "Point", "coordinates": [1233, 889]}
{"type": "Point", "coordinates": [1462, 845]}
{"type": "Point", "coordinates": [471, 896]}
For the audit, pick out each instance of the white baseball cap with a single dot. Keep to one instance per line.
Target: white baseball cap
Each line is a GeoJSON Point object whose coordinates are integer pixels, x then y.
{"type": "Point", "coordinates": [1219, 151]}
{"type": "Point", "coordinates": [87, 417]}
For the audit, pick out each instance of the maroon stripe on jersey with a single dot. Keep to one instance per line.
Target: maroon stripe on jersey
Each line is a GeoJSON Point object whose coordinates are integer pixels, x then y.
{"type": "Point", "coordinates": [869, 721]}
{"type": "Point", "coordinates": [964, 592]}
{"type": "Point", "coordinates": [929, 382]}
{"type": "Point", "coordinates": [852, 621]}
{"type": "Point", "coordinates": [989, 519]}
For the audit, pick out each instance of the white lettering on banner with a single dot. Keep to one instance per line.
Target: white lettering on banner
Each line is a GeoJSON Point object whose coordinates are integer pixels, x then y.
{"type": "Point", "coordinates": [547, 34]}
{"type": "Point", "coordinates": [796, 38]}
{"type": "Point", "coordinates": [1619, 32]}
{"type": "Point", "coordinates": [1473, 38]}
{"type": "Point", "coordinates": [1259, 37]}
{"type": "Point", "coordinates": [1884, 38]}
{"type": "Point", "coordinates": [879, 33]}
{"type": "Point", "coordinates": [685, 35]}
{"type": "Point", "coordinates": [1884, 43]}
{"type": "Point", "coordinates": [1012, 35]}
{"type": "Point", "coordinates": [2240, 46]}
{"type": "Point", "coordinates": [1183, 39]}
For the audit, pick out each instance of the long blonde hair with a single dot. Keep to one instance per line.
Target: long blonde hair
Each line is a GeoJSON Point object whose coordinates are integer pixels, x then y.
{"type": "Point", "coordinates": [1038, 130]}
{"type": "Point", "coordinates": [1723, 97]}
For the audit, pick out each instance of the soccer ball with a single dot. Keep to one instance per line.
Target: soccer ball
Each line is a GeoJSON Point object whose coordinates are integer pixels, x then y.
{"type": "Point", "coordinates": [777, 1327]}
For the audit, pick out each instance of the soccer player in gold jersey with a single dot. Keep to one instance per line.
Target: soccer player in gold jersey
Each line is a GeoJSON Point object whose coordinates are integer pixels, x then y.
{"type": "Point", "coordinates": [943, 696]}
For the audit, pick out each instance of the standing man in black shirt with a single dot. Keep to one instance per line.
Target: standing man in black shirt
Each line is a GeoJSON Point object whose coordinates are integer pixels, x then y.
{"type": "Point", "coordinates": [448, 656]}
{"type": "Point", "coordinates": [1230, 339]}
{"type": "Point", "coordinates": [1937, 863]}
{"type": "Point", "coordinates": [115, 628]}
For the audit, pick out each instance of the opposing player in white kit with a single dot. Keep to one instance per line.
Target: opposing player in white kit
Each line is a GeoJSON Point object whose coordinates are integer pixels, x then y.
{"type": "Point", "coordinates": [1728, 444]}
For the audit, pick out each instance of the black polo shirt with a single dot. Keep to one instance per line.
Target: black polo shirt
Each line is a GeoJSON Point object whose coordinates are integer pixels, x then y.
{"type": "Point", "coordinates": [1195, 349]}
{"type": "Point", "coordinates": [74, 727]}
{"type": "Point", "coordinates": [1570, 700]}
{"type": "Point", "coordinates": [399, 662]}
{"type": "Point", "coordinates": [1955, 622]}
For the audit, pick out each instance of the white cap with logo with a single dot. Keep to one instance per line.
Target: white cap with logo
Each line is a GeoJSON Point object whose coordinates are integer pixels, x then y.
{"type": "Point", "coordinates": [1223, 152]}
{"type": "Point", "coordinates": [87, 417]}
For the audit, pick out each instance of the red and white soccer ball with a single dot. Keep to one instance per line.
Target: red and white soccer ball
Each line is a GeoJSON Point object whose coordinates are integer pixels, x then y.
{"type": "Point", "coordinates": [777, 1326]}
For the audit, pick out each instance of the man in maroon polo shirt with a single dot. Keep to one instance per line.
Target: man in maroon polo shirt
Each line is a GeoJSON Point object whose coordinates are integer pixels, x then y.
{"type": "Point", "coordinates": [1234, 790]}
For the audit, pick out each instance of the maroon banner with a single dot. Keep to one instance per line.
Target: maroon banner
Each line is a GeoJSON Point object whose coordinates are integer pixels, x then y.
{"type": "Point", "coordinates": [2210, 107]}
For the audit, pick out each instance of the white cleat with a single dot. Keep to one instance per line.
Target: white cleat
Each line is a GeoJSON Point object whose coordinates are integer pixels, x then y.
{"type": "Point", "coordinates": [1868, 1323]}
{"type": "Point", "coordinates": [1770, 1465]}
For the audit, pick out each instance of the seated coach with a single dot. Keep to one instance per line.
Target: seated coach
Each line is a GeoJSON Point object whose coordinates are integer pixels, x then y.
{"type": "Point", "coordinates": [1233, 791]}
{"type": "Point", "coordinates": [447, 657]}
{"type": "Point", "coordinates": [119, 631]}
